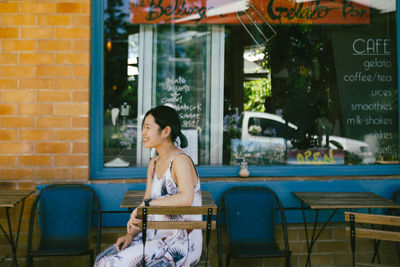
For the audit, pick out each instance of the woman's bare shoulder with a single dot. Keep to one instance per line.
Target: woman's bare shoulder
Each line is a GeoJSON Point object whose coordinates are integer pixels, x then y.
{"type": "Point", "coordinates": [183, 157]}
{"type": "Point", "coordinates": [182, 161]}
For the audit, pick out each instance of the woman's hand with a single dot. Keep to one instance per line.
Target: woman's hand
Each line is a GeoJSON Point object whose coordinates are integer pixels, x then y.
{"type": "Point", "coordinates": [123, 242]}
{"type": "Point", "coordinates": [132, 225]}
{"type": "Point", "coordinates": [132, 229]}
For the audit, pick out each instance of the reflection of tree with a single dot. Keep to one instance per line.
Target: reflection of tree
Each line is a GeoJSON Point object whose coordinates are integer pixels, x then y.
{"type": "Point", "coordinates": [117, 88]}
{"type": "Point", "coordinates": [304, 88]}
{"type": "Point", "coordinates": [255, 94]}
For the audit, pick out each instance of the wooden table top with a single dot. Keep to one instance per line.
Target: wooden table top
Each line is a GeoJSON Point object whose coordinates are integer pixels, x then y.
{"type": "Point", "coordinates": [344, 200]}
{"type": "Point", "coordinates": [132, 199]}
{"type": "Point", "coordinates": [10, 198]}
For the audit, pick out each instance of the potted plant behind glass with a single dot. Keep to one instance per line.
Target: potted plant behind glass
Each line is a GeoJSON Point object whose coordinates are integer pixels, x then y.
{"type": "Point", "coordinates": [305, 92]}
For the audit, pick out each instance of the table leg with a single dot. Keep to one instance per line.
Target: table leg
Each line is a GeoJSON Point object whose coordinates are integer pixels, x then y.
{"type": "Point", "coordinates": [375, 243]}
{"type": "Point", "coordinates": [9, 236]}
{"type": "Point", "coordinates": [315, 235]}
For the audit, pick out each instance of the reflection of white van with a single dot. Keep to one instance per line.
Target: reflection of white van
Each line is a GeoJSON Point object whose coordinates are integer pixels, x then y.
{"type": "Point", "coordinates": [271, 128]}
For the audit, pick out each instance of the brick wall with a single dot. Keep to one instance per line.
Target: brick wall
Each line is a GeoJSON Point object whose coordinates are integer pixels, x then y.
{"type": "Point", "coordinates": [44, 98]}
{"type": "Point", "coordinates": [44, 90]}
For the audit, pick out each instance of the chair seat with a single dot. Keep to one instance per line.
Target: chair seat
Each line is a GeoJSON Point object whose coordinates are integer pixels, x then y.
{"type": "Point", "coordinates": [62, 247]}
{"type": "Point", "coordinates": [256, 250]}
{"type": "Point", "coordinates": [374, 265]}
{"type": "Point", "coordinates": [39, 253]}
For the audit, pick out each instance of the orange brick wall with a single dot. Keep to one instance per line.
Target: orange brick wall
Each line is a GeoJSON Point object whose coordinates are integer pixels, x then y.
{"type": "Point", "coordinates": [44, 90]}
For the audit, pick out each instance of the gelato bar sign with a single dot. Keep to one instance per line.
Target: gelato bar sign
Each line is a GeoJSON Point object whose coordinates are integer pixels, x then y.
{"type": "Point", "coordinates": [249, 11]}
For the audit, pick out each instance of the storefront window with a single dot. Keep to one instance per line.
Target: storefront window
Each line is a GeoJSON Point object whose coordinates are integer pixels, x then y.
{"type": "Point", "coordinates": [274, 83]}
{"type": "Point", "coordinates": [328, 95]}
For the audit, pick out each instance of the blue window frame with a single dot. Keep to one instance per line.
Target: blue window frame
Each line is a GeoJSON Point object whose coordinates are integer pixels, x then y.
{"type": "Point", "coordinates": [98, 171]}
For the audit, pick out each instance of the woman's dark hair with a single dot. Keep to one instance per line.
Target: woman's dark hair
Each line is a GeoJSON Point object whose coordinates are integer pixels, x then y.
{"type": "Point", "coordinates": [166, 116]}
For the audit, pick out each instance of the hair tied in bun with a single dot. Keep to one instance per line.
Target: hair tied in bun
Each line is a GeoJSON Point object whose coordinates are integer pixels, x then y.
{"type": "Point", "coordinates": [183, 139]}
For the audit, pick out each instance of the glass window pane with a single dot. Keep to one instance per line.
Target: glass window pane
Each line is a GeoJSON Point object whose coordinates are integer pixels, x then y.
{"type": "Point", "coordinates": [316, 94]}
{"type": "Point", "coordinates": [181, 60]}
{"type": "Point", "coordinates": [121, 74]}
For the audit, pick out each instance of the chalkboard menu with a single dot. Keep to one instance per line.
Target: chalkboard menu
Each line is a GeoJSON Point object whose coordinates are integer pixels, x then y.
{"type": "Point", "coordinates": [367, 83]}
{"type": "Point", "coordinates": [179, 93]}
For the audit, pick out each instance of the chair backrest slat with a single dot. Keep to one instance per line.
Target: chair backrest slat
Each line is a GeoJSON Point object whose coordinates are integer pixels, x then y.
{"type": "Point", "coordinates": [178, 225]}
{"type": "Point", "coordinates": [179, 210]}
{"type": "Point", "coordinates": [164, 210]}
{"type": "Point", "coordinates": [65, 211]}
{"type": "Point", "coordinates": [376, 234]}
{"type": "Point", "coordinates": [374, 219]}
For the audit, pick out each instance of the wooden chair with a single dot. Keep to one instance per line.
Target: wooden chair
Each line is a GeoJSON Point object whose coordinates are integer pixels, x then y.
{"type": "Point", "coordinates": [396, 212]}
{"type": "Point", "coordinates": [208, 209]}
{"type": "Point", "coordinates": [359, 231]}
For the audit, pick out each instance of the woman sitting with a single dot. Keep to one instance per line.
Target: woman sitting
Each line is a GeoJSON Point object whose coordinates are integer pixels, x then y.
{"type": "Point", "coordinates": [172, 180]}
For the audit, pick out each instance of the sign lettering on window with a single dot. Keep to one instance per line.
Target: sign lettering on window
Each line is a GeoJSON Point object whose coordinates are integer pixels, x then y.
{"type": "Point", "coordinates": [248, 12]}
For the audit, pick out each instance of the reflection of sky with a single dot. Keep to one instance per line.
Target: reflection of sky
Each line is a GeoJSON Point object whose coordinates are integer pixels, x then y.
{"type": "Point", "coordinates": [125, 8]}
{"type": "Point", "coordinates": [133, 48]}
{"type": "Point", "coordinates": [220, 7]}
{"type": "Point", "coordinates": [382, 5]}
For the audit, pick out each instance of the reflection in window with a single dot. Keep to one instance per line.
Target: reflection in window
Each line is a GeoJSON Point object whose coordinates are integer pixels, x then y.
{"type": "Point", "coordinates": [320, 101]}
{"type": "Point", "coordinates": [121, 59]}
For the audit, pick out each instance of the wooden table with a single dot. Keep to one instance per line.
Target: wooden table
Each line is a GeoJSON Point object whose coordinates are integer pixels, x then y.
{"type": "Point", "coordinates": [9, 199]}
{"type": "Point", "coordinates": [133, 199]}
{"type": "Point", "coordinates": [334, 201]}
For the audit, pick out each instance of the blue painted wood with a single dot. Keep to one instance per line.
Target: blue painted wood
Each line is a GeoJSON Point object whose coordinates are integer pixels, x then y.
{"type": "Point", "coordinates": [96, 90]}
{"type": "Point", "coordinates": [398, 58]}
{"type": "Point", "coordinates": [110, 195]}
{"type": "Point", "coordinates": [330, 170]}
{"type": "Point", "coordinates": [258, 171]}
